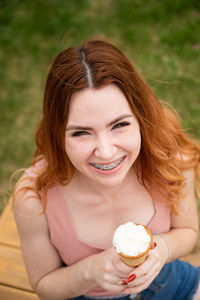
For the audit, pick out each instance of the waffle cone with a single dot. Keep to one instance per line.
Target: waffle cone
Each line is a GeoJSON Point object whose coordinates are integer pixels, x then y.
{"type": "Point", "coordinates": [134, 261]}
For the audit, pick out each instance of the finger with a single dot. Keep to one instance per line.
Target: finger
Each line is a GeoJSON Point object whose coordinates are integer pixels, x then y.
{"type": "Point", "coordinates": [140, 287]}
{"type": "Point", "coordinates": [112, 279]}
{"type": "Point", "coordinates": [113, 287]}
{"type": "Point", "coordinates": [128, 280]}
{"type": "Point", "coordinates": [145, 277]}
{"type": "Point", "coordinates": [123, 270]}
{"type": "Point", "coordinates": [119, 263]}
{"type": "Point", "coordinates": [117, 270]}
{"type": "Point", "coordinates": [146, 266]}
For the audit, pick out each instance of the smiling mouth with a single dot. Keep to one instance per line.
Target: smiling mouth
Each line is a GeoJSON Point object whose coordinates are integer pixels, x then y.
{"type": "Point", "coordinates": [107, 167]}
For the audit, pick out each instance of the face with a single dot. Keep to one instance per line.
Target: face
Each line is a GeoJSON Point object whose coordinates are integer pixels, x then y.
{"type": "Point", "coordinates": [102, 135]}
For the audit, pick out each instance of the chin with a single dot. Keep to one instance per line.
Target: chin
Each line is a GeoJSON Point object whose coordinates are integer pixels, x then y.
{"type": "Point", "coordinates": [111, 181]}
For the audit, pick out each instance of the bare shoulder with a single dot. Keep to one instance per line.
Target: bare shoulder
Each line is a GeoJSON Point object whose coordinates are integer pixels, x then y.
{"type": "Point", "coordinates": [26, 201]}
{"type": "Point", "coordinates": [25, 197]}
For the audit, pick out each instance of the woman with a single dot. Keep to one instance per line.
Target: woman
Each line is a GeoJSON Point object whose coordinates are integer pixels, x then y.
{"type": "Point", "coordinates": [108, 152]}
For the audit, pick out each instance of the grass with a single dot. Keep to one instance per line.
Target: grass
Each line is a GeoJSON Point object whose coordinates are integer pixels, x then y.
{"type": "Point", "coordinates": [160, 37]}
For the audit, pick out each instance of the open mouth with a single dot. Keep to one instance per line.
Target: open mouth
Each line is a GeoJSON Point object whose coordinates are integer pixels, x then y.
{"type": "Point", "coordinates": [108, 167]}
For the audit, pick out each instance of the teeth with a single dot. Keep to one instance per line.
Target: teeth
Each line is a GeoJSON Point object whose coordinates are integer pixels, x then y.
{"type": "Point", "coordinates": [108, 167]}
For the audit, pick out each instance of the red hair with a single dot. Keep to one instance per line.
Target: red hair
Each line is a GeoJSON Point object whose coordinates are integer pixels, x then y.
{"type": "Point", "coordinates": [164, 143]}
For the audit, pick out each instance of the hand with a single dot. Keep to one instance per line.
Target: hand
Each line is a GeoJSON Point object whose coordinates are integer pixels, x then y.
{"type": "Point", "coordinates": [143, 275]}
{"type": "Point", "coordinates": [108, 270]}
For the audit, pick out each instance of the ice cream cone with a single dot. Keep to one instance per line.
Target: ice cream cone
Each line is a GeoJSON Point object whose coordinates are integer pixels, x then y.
{"type": "Point", "coordinates": [136, 260]}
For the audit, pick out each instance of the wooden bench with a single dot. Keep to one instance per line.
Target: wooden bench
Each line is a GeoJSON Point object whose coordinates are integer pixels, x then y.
{"type": "Point", "coordinates": [14, 284]}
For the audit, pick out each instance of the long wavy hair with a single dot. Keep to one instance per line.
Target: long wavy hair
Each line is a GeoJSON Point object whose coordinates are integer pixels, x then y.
{"type": "Point", "coordinates": [166, 149]}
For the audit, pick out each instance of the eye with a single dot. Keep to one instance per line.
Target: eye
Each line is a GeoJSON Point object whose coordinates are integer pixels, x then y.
{"type": "Point", "coordinates": [121, 124]}
{"type": "Point", "coordinates": [79, 133]}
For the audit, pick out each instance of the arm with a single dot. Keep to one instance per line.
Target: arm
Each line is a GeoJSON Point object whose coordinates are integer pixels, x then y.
{"type": "Point", "coordinates": [48, 277]}
{"type": "Point", "coordinates": [185, 227]}
{"type": "Point", "coordinates": [179, 241]}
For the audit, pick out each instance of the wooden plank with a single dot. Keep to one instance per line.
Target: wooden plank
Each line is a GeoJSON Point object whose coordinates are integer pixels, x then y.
{"type": "Point", "coordinates": [8, 228]}
{"type": "Point", "coordinates": [8, 293]}
{"type": "Point", "coordinates": [194, 259]}
{"type": "Point", "coordinates": [12, 268]}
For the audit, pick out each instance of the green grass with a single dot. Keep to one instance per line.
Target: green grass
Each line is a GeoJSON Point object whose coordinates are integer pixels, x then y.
{"type": "Point", "coordinates": [160, 37]}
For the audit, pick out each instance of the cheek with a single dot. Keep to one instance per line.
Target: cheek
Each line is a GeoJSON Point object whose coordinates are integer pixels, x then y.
{"type": "Point", "coordinates": [133, 142]}
{"type": "Point", "coordinates": [137, 142]}
{"type": "Point", "coordinates": [76, 151]}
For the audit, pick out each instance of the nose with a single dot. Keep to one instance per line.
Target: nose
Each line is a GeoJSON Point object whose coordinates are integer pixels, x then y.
{"type": "Point", "coordinates": [105, 148]}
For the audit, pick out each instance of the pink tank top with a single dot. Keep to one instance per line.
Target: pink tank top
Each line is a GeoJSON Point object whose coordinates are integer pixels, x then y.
{"type": "Point", "coordinates": [71, 249]}
{"type": "Point", "coordinates": [63, 235]}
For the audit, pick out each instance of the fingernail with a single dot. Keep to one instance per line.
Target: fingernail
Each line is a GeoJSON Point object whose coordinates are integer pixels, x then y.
{"type": "Point", "coordinates": [131, 277]}
{"type": "Point", "coordinates": [154, 244]}
{"type": "Point", "coordinates": [124, 282]}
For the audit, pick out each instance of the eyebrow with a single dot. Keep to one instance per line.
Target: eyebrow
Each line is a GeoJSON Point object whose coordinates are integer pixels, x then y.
{"type": "Point", "coordinates": [78, 127]}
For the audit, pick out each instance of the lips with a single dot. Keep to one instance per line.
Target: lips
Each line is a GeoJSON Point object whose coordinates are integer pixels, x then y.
{"type": "Point", "coordinates": [108, 167]}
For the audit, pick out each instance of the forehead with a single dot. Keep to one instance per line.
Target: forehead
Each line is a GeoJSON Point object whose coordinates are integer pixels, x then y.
{"type": "Point", "coordinates": [89, 104]}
